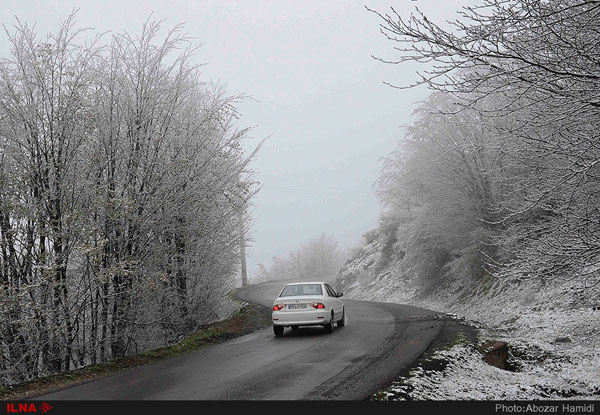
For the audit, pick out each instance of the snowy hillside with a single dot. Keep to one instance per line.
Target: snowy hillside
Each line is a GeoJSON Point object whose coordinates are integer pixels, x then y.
{"type": "Point", "coordinates": [552, 331]}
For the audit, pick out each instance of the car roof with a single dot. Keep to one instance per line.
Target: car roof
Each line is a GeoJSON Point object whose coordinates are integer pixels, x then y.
{"type": "Point", "coordinates": [306, 282]}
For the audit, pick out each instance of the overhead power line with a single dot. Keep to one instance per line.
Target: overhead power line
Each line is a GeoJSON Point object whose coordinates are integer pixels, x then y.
{"type": "Point", "coordinates": [325, 192]}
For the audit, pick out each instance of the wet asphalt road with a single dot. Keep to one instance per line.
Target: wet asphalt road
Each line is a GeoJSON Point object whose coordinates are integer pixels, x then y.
{"type": "Point", "coordinates": [378, 342]}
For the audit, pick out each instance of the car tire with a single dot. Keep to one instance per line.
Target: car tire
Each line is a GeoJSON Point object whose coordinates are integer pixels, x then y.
{"type": "Point", "coordinates": [342, 321]}
{"type": "Point", "coordinates": [278, 330]}
{"type": "Point", "coordinates": [295, 328]}
{"type": "Point", "coordinates": [329, 326]}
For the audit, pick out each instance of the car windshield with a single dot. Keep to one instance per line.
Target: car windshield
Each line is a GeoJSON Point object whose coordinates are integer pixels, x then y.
{"type": "Point", "coordinates": [302, 289]}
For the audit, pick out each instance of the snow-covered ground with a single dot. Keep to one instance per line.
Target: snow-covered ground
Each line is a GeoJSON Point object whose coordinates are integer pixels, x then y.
{"type": "Point", "coordinates": [553, 333]}
{"type": "Point", "coordinates": [467, 376]}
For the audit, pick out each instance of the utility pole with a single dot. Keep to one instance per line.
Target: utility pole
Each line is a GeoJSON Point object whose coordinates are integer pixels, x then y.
{"type": "Point", "coordinates": [243, 240]}
{"type": "Point", "coordinates": [243, 251]}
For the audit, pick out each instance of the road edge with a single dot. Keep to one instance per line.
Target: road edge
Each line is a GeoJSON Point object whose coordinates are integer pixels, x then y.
{"type": "Point", "coordinates": [451, 333]}
{"type": "Point", "coordinates": [248, 319]}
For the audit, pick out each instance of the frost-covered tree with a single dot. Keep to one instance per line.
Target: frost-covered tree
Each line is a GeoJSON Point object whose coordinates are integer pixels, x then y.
{"type": "Point", "coordinates": [536, 64]}
{"type": "Point", "coordinates": [439, 189]}
{"type": "Point", "coordinates": [318, 259]}
{"type": "Point", "coordinates": [122, 184]}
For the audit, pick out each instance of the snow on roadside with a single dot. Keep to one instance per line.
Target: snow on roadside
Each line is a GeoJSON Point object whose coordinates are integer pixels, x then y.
{"type": "Point", "coordinates": [468, 377]}
{"type": "Point", "coordinates": [552, 329]}
{"type": "Point", "coordinates": [554, 345]}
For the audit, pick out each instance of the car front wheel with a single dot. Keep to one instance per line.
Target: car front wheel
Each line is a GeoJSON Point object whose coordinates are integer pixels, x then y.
{"type": "Point", "coordinates": [278, 330]}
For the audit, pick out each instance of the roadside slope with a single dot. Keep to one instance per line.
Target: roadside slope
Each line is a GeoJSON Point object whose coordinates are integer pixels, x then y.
{"type": "Point", "coordinates": [551, 330]}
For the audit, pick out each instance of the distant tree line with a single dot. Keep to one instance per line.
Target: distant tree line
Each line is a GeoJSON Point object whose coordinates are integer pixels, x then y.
{"type": "Point", "coordinates": [318, 259]}
{"type": "Point", "coordinates": [500, 171]}
{"type": "Point", "coordinates": [123, 193]}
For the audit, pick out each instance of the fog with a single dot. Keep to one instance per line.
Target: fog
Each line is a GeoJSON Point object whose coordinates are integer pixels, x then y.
{"type": "Point", "coordinates": [313, 90]}
{"type": "Point", "coordinates": [127, 162]}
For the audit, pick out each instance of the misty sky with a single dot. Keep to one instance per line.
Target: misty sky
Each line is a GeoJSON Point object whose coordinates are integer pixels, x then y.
{"type": "Point", "coordinates": [318, 97]}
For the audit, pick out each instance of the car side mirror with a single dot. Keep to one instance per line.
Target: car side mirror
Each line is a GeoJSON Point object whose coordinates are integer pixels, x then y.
{"type": "Point", "coordinates": [340, 294]}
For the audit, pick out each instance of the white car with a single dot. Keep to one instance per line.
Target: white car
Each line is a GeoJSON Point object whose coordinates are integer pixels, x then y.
{"type": "Point", "coordinates": [308, 304]}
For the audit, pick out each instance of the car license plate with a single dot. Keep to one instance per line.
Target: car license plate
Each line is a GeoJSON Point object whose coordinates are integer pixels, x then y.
{"type": "Point", "coordinates": [297, 306]}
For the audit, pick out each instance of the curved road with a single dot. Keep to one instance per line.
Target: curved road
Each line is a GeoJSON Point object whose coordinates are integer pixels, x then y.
{"type": "Point", "coordinates": [378, 342]}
